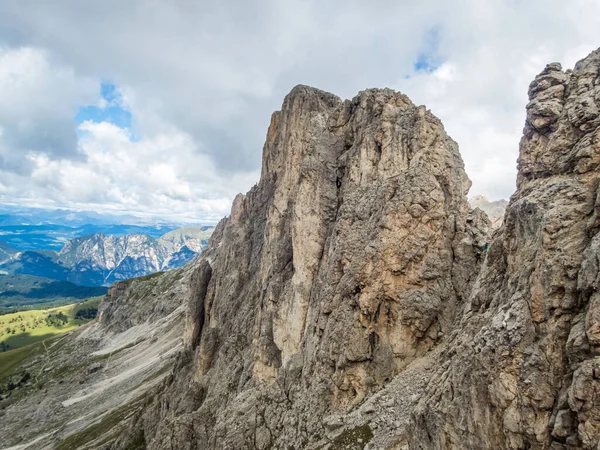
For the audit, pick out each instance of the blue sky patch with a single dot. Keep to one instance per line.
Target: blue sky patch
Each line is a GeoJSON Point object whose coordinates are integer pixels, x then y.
{"type": "Point", "coordinates": [113, 112]}
{"type": "Point", "coordinates": [110, 93]}
{"type": "Point", "coordinates": [424, 63]}
{"type": "Point", "coordinates": [429, 58]}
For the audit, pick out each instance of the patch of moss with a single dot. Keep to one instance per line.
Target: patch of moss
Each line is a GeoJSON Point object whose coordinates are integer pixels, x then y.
{"type": "Point", "coordinates": [111, 424]}
{"type": "Point", "coordinates": [62, 372]}
{"type": "Point", "coordinates": [138, 442]}
{"type": "Point", "coordinates": [174, 277]}
{"type": "Point", "coordinates": [11, 360]}
{"type": "Point", "coordinates": [354, 439]}
{"type": "Point", "coordinates": [144, 278]}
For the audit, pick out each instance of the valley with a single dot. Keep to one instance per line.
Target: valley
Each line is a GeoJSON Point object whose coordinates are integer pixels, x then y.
{"type": "Point", "coordinates": [22, 292]}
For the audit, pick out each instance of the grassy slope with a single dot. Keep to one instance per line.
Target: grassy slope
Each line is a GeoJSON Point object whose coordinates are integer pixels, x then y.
{"type": "Point", "coordinates": [9, 361]}
{"type": "Point", "coordinates": [42, 331]}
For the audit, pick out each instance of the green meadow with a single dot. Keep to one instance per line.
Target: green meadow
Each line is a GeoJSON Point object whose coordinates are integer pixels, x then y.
{"type": "Point", "coordinates": [28, 327]}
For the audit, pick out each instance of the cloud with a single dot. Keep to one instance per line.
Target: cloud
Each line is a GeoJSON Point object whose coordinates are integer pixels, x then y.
{"type": "Point", "coordinates": [163, 108]}
{"type": "Point", "coordinates": [119, 175]}
{"type": "Point", "coordinates": [491, 52]}
{"type": "Point", "coordinates": [37, 103]}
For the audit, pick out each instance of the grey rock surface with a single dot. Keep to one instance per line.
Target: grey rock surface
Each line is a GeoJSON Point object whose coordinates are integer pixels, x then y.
{"type": "Point", "coordinates": [346, 264]}
{"type": "Point", "coordinates": [350, 300]}
{"type": "Point", "coordinates": [524, 358]}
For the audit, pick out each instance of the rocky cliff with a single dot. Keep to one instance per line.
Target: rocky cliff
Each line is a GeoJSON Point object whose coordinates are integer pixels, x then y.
{"type": "Point", "coordinates": [347, 262]}
{"type": "Point", "coordinates": [349, 302]}
{"type": "Point", "coordinates": [522, 369]}
{"type": "Point", "coordinates": [343, 301]}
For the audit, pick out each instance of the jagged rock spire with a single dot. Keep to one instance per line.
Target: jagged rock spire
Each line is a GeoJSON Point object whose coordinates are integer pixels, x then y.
{"type": "Point", "coordinates": [525, 358]}
{"type": "Point", "coordinates": [346, 262]}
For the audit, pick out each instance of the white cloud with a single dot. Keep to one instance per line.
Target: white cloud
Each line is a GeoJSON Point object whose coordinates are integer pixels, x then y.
{"type": "Point", "coordinates": [201, 79]}
{"type": "Point", "coordinates": [493, 50]}
{"type": "Point", "coordinates": [118, 174]}
{"type": "Point", "coordinates": [38, 100]}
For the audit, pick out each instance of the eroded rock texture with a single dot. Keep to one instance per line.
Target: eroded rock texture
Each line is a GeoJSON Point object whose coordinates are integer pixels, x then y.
{"type": "Point", "coordinates": [344, 304]}
{"type": "Point", "coordinates": [348, 260]}
{"type": "Point", "coordinates": [523, 365]}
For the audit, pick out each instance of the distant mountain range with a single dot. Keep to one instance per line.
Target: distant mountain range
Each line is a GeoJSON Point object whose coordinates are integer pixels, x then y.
{"type": "Point", "coordinates": [27, 228]}
{"type": "Point", "coordinates": [23, 291]}
{"type": "Point", "coordinates": [20, 215]}
{"type": "Point", "coordinates": [6, 252]}
{"type": "Point", "coordinates": [100, 259]}
{"type": "Point", "coordinates": [54, 237]}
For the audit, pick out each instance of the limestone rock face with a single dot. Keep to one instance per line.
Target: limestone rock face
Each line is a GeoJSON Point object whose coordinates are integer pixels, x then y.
{"type": "Point", "coordinates": [348, 261]}
{"type": "Point", "coordinates": [494, 209]}
{"type": "Point", "coordinates": [524, 358]}
{"type": "Point", "coordinates": [348, 301]}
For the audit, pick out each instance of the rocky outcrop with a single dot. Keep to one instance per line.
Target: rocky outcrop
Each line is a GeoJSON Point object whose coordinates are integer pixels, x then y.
{"type": "Point", "coordinates": [522, 368]}
{"type": "Point", "coordinates": [348, 301]}
{"type": "Point", "coordinates": [347, 262]}
{"type": "Point", "coordinates": [494, 209]}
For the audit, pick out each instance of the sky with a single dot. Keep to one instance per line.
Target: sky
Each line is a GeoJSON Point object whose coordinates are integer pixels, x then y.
{"type": "Point", "coordinates": [161, 107]}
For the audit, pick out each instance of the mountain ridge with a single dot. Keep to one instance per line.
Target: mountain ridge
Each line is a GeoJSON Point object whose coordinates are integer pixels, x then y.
{"type": "Point", "coordinates": [342, 267]}
{"type": "Point", "coordinates": [100, 259]}
{"type": "Point", "coordinates": [514, 339]}
{"type": "Point", "coordinates": [354, 300]}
